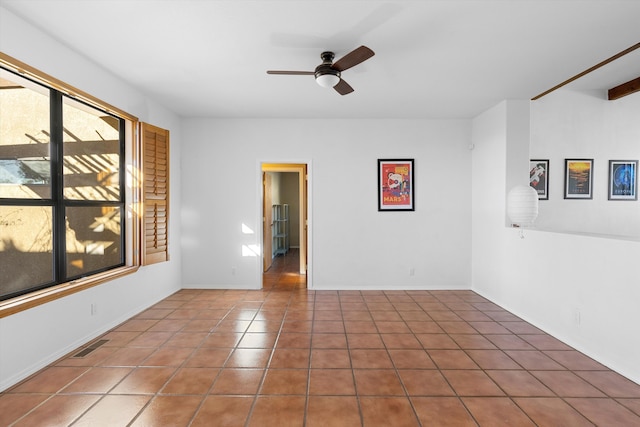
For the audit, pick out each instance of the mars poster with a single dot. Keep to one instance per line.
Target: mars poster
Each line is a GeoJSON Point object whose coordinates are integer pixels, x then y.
{"type": "Point", "coordinates": [395, 185]}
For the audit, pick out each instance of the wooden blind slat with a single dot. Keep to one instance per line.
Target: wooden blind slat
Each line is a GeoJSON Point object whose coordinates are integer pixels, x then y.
{"type": "Point", "coordinates": [155, 166]}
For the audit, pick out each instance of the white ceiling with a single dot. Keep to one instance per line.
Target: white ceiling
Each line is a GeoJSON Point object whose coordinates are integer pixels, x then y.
{"type": "Point", "coordinates": [434, 59]}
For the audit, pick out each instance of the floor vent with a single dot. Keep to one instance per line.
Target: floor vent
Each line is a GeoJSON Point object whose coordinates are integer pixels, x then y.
{"type": "Point", "coordinates": [90, 348]}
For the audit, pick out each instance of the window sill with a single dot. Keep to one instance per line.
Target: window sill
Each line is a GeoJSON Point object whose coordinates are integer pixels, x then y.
{"type": "Point", "coordinates": [34, 299]}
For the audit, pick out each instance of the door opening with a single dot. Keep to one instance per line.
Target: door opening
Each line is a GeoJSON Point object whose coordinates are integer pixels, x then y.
{"type": "Point", "coordinates": [284, 227]}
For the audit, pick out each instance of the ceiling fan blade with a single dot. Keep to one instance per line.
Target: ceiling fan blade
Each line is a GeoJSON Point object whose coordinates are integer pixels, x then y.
{"type": "Point", "coordinates": [343, 88]}
{"type": "Point", "coordinates": [291, 73]}
{"type": "Point", "coordinates": [353, 58]}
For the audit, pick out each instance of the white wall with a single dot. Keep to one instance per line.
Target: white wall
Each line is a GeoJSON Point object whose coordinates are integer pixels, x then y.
{"type": "Point", "coordinates": [574, 124]}
{"type": "Point", "coordinates": [583, 290]}
{"type": "Point", "coordinates": [31, 339]}
{"type": "Point", "coordinates": [352, 244]}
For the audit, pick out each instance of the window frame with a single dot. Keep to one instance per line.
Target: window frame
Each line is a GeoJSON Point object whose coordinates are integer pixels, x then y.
{"type": "Point", "coordinates": [132, 198]}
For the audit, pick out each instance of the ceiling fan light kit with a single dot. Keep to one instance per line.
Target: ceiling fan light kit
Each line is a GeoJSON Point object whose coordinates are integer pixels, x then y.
{"type": "Point", "coordinates": [329, 74]}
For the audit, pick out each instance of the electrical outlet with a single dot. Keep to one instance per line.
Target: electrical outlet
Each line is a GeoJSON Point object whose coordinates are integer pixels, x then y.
{"type": "Point", "coordinates": [94, 309]}
{"type": "Point", "coordinates": [577, 317]}
{"type": "Point", "coordinates": [412, 271]}
{"type": "Point", "coordinates": [233, 271]}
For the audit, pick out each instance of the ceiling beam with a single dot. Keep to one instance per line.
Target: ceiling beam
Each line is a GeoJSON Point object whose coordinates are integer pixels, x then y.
{"type": "Point", "coordinates": [587, 71]}
{"type": "Point", "coordinates": [624, 89]}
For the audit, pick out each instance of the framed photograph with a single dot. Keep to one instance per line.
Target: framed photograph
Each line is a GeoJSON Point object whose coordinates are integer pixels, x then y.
{"type": "Point", "coordinates": [578, 178]}
{"type": "Point", "coordinates": [539, 177]}
{"type": "Point", "coordinates": [395, 185]}
{"type": "Point", "coordinates": [623, 180]}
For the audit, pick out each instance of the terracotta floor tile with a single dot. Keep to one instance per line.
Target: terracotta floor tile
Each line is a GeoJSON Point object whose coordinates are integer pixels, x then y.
{"type": "Point", "coordinates": [377, 382]}
{"type": "Point", "coordinates": [605, 412]}
{"type": "Point", "coordinates": [208, 358]}
{"type": "Point", "coordinates": [136, 325]}
{"type": "Point", "coordinates": [222, 339]}
{"type": "Point", "coordinates": [150, 339]}
{"type": "Point", "coordinates": [360, 313]}
{"type": "Point", "coordinates": [285, 355]}
{"type": "Point", "coordinates": [290, 358]}
{"type": "Point", "coordinates": [144, 381]}
{"type": "Point", "coordinates": [128, 356]}
{"type": "Point", "coordinates": [518, 326]}
{"type": "Point", "coordinates": [191, 381]}
{"type": "Point", "coordinates": [567, 384]}
{"type": "Point", "coordinates": [387, 411]}
{"type": "Point", "coordinates": [492, 359]}
{"type": "Point", "coordinates": [545, 342]}
{"type": "Point", "coordinates": [113, 411]}
{"type": "Point", "coordinates": [97, 380]}
{"type": "Point", "coordinates": [278, 411]}
{"type": "Point", "coordinates": [489, 327]}
{"type": "Point", "coordinates": [385, 313]}
{"type": "Point", "coordinates": [360, 327]}
{"type": "Point", "coordinates": [509, 342]}
{"type": "Point", "coordinates": [294, 340]}
{"type": "Point", "coordinates": [331, 382]}
{"type": "Point", "coordinates": [168, 356]}
{"type": "Point", "coordinates": [551, 412]}
{"type": "Point", "coordinates": [425, 383]}
{"type": "Point", "coordinates": [285, 381]}
{"type": "Point", "coordinates": [258, 340]}
{"type": "Point", "coordinates": [575, 360]}
{"type": "Point", "coordinates": [238, 381]}
{"type": "Point", "coordinates": [227, 411]}
{"type": "Point", "coordinates": [401, 341]}
{"type": "Point", "coordinates": [472, 341]}
{"type": "Point", "coordinates": [612, 383]}
{"type": "Point", "coordinates": [249, 358]}
{"type": "Point", "coordinates": [328, 327]}
{"type": "Point", "coordinates": [186, 339]}
{"type": "Point", "coordinates": [168, 411]}
{"type": "Point", "coordinates": [457, 327]}
{"type": "Point", "coordinates": [14, 406]}
{"type": "Point", "coordinates": [168, 325]}
{"type": "Point", "coordinates": [534, 360]}
{"type": "Point", "coordinates": [415, 316]}
{"type": "Point", "coordinates": [519, 383]}
{"type": "Point", "coordinates": [452, 359]}
{"type": "Point", "coordinates": [330, 358]}
{"type": "Point", "coordinates": [364, 341]}
{"type": "Point", "coordinates": [370, 359]}
{"type": "Point", "coordinates": [496, 411]}
{"type": "Point", "coordinates": [632, 404]}
{"type": "Point", "coordinates": [411, 359]}
{"type": "Point", "coordinates": [60, 410]}
{"type": "Point", "coordinates": [50, 380]}
{"type": "Point", "coordinates": [328, 341]}
{"type": "Point", "coordinates": [330, 411]}
{"type": "Point", "coordinates": [472, 383]}
{"type": "Point", "coordinates": [392, 327]}
{"type": "Point", "coordinates": [96, 357]}
{"type": "Point", "coordinates": [265, 326]}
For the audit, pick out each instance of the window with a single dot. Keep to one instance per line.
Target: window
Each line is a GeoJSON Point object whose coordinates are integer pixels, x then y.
{"type": "Point", "coordinates": [67, 196]}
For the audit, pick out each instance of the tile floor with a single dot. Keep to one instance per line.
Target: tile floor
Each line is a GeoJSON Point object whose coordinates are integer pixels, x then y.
{"type": "Point", "coordinates": [286, 356]}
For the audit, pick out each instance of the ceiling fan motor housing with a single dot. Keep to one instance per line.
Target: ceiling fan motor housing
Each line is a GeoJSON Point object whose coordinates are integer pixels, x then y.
{"type": "Point", "coordinates": [327, 76]}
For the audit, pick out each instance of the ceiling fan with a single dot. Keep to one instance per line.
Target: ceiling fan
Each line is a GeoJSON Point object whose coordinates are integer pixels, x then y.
{"type": "Point", "coordinates": [328, 74]}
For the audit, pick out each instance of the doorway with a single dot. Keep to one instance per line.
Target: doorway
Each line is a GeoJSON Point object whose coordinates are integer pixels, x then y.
{"type": "Point", "coordinates": [285, 225]}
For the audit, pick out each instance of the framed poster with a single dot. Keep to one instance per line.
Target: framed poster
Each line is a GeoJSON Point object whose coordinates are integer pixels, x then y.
{"type": "Point", "coordinates": [578, 178]}
{"type": "Point", "coordinates": [623, 180]}
{"type": "Point", "coordinates": [539, 177]}
{"type": "Point", "coordinates": [395, 185]}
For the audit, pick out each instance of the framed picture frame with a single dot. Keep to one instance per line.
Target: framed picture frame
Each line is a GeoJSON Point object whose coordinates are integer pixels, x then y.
{"type": "Point", "coordinates": [396, 185]}
{"type": "Point", "coordinates": [623, 180]}
{"type": "Point", "coordinates": [578, 178]}
{"type": "Point", "coordinates": [539, 177]}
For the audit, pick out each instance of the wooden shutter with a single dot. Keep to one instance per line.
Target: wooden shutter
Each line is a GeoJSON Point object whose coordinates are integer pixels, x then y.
{"type": "Point", "coordinates": [155, 172]}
